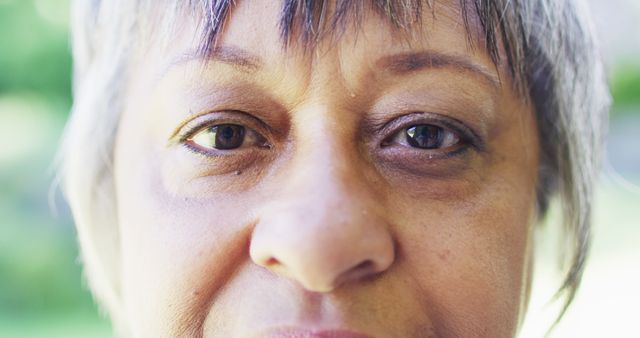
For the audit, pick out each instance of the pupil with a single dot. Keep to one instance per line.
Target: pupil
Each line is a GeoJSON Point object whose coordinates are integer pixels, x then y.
{"type": "Point", "coordinates": [425, 136]}
{"type": "Point", "coordinates": [228, 136]}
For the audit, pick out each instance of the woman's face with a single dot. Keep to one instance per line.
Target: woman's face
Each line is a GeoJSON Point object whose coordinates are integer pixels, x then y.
{"type": "Point", "coordinates": [379, 184]}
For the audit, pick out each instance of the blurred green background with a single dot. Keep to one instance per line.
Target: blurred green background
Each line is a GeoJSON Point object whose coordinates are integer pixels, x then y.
{"type": "Point", "coordinates": [42, 293]}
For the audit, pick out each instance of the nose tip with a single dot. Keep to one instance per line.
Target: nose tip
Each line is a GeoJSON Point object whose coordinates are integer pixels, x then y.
{"type": "Point", "coordinates": [317, 278]}
{"type": "Point", "coordinates": [319, 255]}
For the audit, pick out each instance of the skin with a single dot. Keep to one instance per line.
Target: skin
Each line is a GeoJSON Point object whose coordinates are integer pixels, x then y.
{"type": "Point", "coordinates": [335, 224]}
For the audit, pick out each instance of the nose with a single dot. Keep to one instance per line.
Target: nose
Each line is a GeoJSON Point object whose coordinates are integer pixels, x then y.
{"type": "Point", "coordinates": [325, 229]}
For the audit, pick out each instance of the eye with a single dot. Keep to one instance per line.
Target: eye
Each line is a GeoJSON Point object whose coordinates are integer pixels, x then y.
{"type": "Point", "coordinates": [225, 137]}
{"type": "Point", "coordinates": [429, 145]}
{"type": "Point", "coordinates": [426, 136]}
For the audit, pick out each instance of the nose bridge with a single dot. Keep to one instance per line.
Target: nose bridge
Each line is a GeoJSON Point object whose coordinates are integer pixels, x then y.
{"type": "Point", "coordinates": [324, 226]}
{"type": "Point", "coordinates": [327, 178]}
{"type": "Point", "coordinates": [328, 170]}
{"type": "Point", "coordinates": [326, 158]}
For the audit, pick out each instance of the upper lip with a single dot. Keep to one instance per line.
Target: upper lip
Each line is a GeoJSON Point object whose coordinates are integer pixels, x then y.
{"type": "Point", "coordinates": [311, 333]}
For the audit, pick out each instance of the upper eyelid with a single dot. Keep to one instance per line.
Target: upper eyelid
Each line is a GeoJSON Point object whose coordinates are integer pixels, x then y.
{"type": "Point", "coordinates": [392, 127]}
{"type": "Point", "coordinates": [193, 125]}
{"type": "Point", "coordinates": [387, 127]}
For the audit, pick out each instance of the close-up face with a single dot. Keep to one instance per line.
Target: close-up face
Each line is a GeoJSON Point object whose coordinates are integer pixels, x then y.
{"type": "Point", "coordinates": [379, 184]}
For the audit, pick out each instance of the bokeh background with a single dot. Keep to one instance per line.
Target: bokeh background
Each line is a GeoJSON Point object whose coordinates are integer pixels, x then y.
{"type": "Point", "coordinates": [42, 293]}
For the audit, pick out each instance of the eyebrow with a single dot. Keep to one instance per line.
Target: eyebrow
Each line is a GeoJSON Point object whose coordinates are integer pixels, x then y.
{"type": "Point", "coordinates": [397, 64]}
{"type": "Point", "coordinates": [234, 56]}
{"type": "Point", "coordinates": [400, 64]}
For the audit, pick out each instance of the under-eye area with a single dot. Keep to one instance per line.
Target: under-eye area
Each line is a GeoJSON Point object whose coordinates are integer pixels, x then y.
{"type": "Point", "coordinates": [428, 144]}
{"type": "Point", "coordinates": [216, 143]}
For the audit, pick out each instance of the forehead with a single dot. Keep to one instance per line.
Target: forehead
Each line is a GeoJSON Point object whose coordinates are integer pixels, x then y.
{"type": "Point", "coordinates": [439, 33]}
{"type": "Point", "coordinates": [259, 33]}
{"type": "Point", "coordinates": [309, 21]}
{"type": "Point", "coordinates": [304, 25]}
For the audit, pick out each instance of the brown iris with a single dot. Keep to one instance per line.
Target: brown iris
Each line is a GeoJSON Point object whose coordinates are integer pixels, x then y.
{"type": "Point", "coordinates": [221, 136]}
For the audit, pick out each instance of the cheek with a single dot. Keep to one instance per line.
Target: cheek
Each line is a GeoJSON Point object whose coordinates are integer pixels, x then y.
{"type": "Point", "coordinates": [169, 242]}
{"type": "Point", "coordinates": [470, 257]}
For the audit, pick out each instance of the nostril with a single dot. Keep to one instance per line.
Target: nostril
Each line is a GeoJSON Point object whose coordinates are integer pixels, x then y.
{"type": "Point", "coordinates": [362, 270]}
{"type": "Point", "coordinates": [365, 266]}
{"type": "Point", "coordinates": [271, 262]}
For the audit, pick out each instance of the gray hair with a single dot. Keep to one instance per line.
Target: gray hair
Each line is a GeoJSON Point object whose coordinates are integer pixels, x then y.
{"type": "Point", "coordinates": [550, 52]}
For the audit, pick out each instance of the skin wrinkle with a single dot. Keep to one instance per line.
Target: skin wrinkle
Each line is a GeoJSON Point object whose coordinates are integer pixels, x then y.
{"type": "Point", "coordinates": [405, 101]}
{"type": "Point", "coordinates": [231, 98]}
{"type": "Point", "coordinates": [195, 319]}
{"type": "Point", "coordinates": [114, 43]}
{"type": "Point", "coordinates": [426, 308]}
{"type": "Point", "coordinates": [320, 179]}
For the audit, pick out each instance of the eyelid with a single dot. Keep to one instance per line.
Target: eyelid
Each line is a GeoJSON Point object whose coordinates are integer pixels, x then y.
{"type": "Point", "coordinates": [400, 137]}
{"type": "Point", "coordinates": [466, 134]}
{"type": "Point", "coordinates": [198, 122]}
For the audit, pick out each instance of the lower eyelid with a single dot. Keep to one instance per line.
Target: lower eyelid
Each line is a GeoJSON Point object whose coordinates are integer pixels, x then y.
{"type": "Point", "coordinates": [195, 149]}
{"type": "Point", "coordinates": [215, 154]}
{"type": "Point", "coordinates": [398, 146]}
{"type": "Point", "coordinates": [434, 165]}
{"type": "Point", "coordinates": [258, 140]}
{"type": "Point", "coordinates": [432, 154]}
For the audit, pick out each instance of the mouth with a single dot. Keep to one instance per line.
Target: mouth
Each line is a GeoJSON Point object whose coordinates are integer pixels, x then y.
{"type": "Point", "coordinates": [305, 333]}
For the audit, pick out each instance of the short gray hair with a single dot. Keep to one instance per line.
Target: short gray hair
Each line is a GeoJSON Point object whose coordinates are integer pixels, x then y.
{"type": "Point", "coordinates": [550, 51]}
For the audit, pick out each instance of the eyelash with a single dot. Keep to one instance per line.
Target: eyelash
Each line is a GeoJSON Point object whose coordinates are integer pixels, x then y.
{"type": "Point", "coordinates": [192, 127]}
{"type": "Point", "coordinates": [467, 137]}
